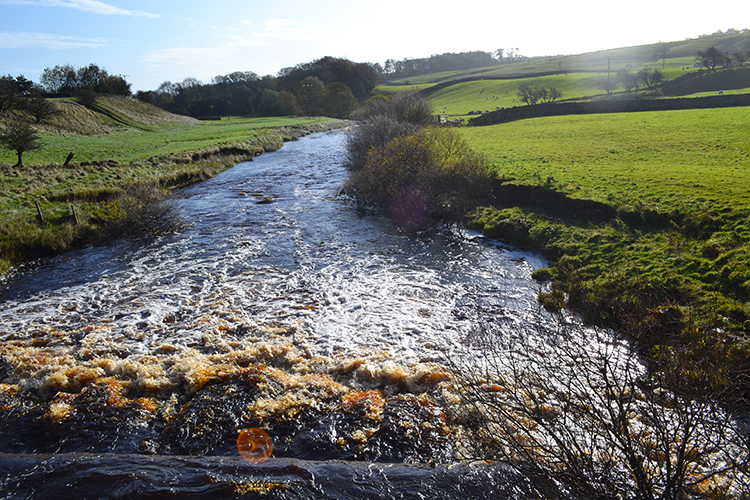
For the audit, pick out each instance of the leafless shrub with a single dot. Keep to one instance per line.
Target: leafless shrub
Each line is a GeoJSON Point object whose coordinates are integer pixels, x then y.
{"type": "Point", "coordinates": [384, 120]}
{"type": "Point", "coordinates": [146, 211]}
{"type": "Point", "coordinates": [576, 406]}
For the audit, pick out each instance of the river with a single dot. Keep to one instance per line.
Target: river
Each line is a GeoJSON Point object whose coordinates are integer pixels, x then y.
{"type": "Point", "coordinates": [278, 306]}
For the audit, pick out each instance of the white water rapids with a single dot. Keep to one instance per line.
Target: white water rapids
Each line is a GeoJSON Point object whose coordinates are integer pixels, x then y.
{"type": "Point", "coordinates": [348, 284]}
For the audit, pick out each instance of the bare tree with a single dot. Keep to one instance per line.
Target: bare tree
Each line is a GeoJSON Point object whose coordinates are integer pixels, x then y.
{"type": "Point", "coordinates": [20, 137]}
{"type": "Point", "coordinates": [627, 79]}
{"type": "Point", "coordinates": [607, 84]}
{"type": "Point", "coordinates": [551, 94]}
{"type": "Point", "coordinates": [710, 58]}
{"type": "Point", "coordinates": [40, 108]}
{"type": "Point", "coordinates": [576, 406]}
{"type": "Point", "coordinates": [651, 78]}
{"type": "Point", "coordinates": [532, 95]}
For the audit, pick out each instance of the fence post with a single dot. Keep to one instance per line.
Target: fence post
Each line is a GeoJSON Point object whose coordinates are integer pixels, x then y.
{"type": "Point", "coordinates": [75, 215]}
{"type": "Point", "coordinates": [39, 215]}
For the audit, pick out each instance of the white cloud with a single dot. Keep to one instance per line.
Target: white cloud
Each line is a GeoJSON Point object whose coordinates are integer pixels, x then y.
{"type": "Point", "coordinates": [247, 22]}
{"type": "Point", "coordinates": [286, 27]}
{"type": "Point", "coordinates": [26, 40]}
{"type": "Point", "coordinates": [86, 5]}
{"type": "Point", "coordinates": [276, 30]}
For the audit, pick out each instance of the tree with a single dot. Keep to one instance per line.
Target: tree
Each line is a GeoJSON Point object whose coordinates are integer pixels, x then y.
{"type": "Point", "coordinates": [742, 58]}
{"type": "Point", "coordinates": [710, 58]}
{"type": "Point", "coordinates": [338, 101]}
{"type": "Point", "coordinates": [114, 85]}
{"type": "Point", "coordinates": [532, 95]}
{"type": "Point", "coordinates": [67, 81]}
{"type": "Point", "coordinates": [575, 405]}
{"type": "Point", "coordinates": [426, 176]}
{"type": "Point", "coordinates": [20, 137]}
{"type": "Point", "coordinates": [308, 93]}
{"type": "Point", "coordinates": [287, 104]}
{"type": "Point", "coordinates": [12, 89]}
{"type": "Point", "coordinates": [651, 78]}
{"type": "Point", "coordinates": [552, 94]}
{"type": "Point", "coordinates": [8, 93]}
{"type": "Point", "coordinates": [86, 97]}
{"type": "Point", "coordinates": [40, 108]}
{"type": "Point", "coordinates": [727, 60]}
{"type": "Point", "coordinates": [90, 77]}
{"type": "Point", "coordinates": [627, 79]}
{"type": "Point", "coordinates": [383, 120]}
{"type": "Point", "coordinates": [607, 84]}
{"type": "Point", "coordinates": [60, 80]}
{"type": "Point", "coordinates": [267, 102]}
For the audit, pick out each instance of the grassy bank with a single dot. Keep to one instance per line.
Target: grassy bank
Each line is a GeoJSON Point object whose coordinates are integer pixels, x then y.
{"type": "Point", "coordinates": [119, 144]}
{"type": "Point", "coordinates": [660, 247]}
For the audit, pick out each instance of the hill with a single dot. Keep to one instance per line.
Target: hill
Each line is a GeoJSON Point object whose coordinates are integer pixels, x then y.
{"type": "Point", "coordinates": [109, 114]}
{"type": "Point", "coordinates": [662, 55]}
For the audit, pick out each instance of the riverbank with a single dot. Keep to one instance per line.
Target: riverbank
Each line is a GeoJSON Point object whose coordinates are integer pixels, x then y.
{"type": "Point", "coordinates": [49, 208]}
{"type": "Point", "coordinates": [644, 217]}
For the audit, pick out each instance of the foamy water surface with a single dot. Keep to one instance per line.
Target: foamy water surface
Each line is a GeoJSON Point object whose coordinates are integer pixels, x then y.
{"type": "Point", "coordinates": [270, 242]}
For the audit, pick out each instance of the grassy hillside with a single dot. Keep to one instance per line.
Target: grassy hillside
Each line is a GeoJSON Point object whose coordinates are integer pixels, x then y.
{"type": "Point", "coordinates": [674, 160]}
{"type": "Point", "coordinates": [577, 76]}
{"type": "Point", "coordinates": [119, 144]}
{"type": "Point", "coordinates": [666, 256]}
{"type": "Point", "coordinates": [662, 55]}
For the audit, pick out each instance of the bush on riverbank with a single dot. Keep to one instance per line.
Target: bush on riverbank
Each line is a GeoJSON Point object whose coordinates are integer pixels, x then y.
{"type": "Point", "coordinates": [411, 172]}
{"type": "Point", "coordinates": [380, 121]}
{"type": "Point", "coordinates": [431, 174]}
{"type": "Point", "coordinates": [146, 210]}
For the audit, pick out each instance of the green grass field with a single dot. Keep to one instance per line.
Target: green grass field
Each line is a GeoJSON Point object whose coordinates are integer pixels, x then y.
{"type": "Point", "coordinates": [685, 160]}
{"type": "Point", "coordinates": [680, 241]}
{"type": "Point", "coordinates": [488, 95]}
{"type": "Point", "coordinates": [142, 132]}
{"type": "Point", "coordinates": [126, 142]}
{"type": "Point", "coordinates": [669, 56]}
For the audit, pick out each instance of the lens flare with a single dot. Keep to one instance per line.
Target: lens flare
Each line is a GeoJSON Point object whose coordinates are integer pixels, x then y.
{"type": "Point", "coordinates": [254, 445]}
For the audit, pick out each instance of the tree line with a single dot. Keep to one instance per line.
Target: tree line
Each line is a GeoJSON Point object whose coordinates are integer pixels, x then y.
{"type": "Point", "coordinates": [714, 57]}
{"type": "Point", "coordinates": [68, 81]}
{"type": "Point", "coordinates": [329, 87]}
{"type": "Point", "coordinates": [450, 61]}
{"type": "Point", "coordinates": [710, 58]}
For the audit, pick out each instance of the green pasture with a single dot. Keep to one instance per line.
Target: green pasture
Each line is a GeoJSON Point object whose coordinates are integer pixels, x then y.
{"type": "Point", "coordinates": [122, 143]}
{"type": "Point", "coordinates": [481, 95]}
{"type": "Point", "coordinates": [667, 56]}
{"type": "Point", "coordinates": [98, 138]}
{"type": "Point", "coordinates": [484, 95]}
{"type": "Point", "coordinates": [681, 238]}
{"type": "Point", "coordinates": [662, 160]}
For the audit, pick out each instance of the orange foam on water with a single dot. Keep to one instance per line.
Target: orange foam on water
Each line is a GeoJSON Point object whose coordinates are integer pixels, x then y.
{"type": "Point", "coordinates": [254, 445]}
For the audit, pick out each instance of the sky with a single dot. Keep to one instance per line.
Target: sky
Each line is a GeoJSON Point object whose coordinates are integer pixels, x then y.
{"type": "Point", "coordinates": [153, 41]}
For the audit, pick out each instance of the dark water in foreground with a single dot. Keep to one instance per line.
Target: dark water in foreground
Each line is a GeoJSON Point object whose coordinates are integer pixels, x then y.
{"type": "Point", "coordinates": [146, 477]}
{"type": "Point", "coordinates": [279, 307]}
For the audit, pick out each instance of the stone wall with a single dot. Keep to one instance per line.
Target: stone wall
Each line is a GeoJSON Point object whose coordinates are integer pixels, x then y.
{"type": "Point", "coordinates": [620, 106]}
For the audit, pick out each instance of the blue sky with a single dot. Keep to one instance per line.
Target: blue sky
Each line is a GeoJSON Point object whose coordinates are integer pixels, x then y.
{"type": "Point", "coordinates": [153, 41]}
